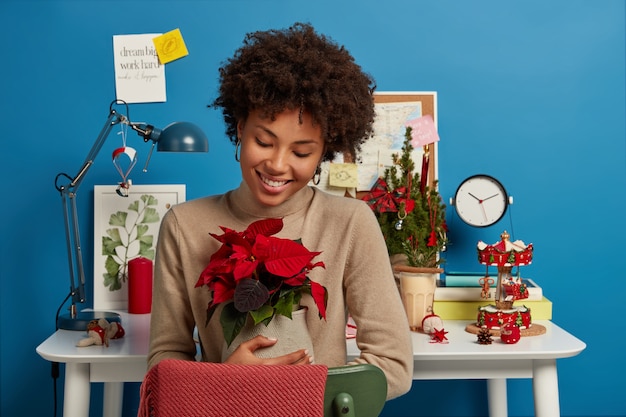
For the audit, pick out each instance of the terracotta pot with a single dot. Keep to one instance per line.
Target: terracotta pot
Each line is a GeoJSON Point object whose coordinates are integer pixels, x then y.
{"type": "Point", "coordinates": [418, 294]}
{"type": "Point", "coordinates": [292, 334]}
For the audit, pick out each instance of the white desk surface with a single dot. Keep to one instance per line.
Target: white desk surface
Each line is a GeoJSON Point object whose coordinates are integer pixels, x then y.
{"type": "Point", "coordinates": [125, 360]}
{"type": "Point", "coordinates": [61, 345]}
{"type": "Point", "coordinates": [555, 343]}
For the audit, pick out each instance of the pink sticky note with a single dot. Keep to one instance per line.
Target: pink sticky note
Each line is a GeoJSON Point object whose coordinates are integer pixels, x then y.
{"type": "Point", "coordinates": [424, 131]}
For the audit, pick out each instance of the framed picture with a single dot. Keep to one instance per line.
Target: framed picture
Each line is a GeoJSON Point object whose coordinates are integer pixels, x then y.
{"type": "Point", "coordinates": [125, 228]}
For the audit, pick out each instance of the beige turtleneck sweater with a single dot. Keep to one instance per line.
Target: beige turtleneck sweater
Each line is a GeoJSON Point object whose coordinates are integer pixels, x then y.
{"type": "Point", "coordinates": [357, 275]}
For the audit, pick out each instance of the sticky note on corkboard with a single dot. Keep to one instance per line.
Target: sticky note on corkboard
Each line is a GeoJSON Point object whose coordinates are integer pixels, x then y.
{"type": "Point", "coordinates": [343, 175]}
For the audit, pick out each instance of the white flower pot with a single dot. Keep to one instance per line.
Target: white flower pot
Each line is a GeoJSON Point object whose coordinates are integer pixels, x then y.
{"type": "Point", "coordinates": [418, 295]}
{"type": "Point", "coordinates": [292, 334]}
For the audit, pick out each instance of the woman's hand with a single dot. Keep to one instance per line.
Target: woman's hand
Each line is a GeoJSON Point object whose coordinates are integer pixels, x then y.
{"type": "Point", "coordinates": [244, 354]}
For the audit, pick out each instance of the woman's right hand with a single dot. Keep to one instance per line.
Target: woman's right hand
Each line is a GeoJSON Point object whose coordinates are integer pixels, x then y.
{"type": "Point", "coordinates": [244, 354]}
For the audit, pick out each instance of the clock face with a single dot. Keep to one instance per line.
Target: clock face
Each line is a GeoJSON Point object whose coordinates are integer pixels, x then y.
{"type": "Point", "coordinates": [480, 200]}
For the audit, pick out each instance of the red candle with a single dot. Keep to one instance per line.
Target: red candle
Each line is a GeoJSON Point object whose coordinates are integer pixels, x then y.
{"type": "Point", "coordinates": [139, 285]}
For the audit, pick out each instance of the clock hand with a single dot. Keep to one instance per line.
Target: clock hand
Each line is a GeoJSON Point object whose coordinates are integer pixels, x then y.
{"type": "Point", "coordinates": [482, 206]}
{"type": "Point", "coordinates": [491, 196]}
{"type": "Point", "coordinates": [479, 200]}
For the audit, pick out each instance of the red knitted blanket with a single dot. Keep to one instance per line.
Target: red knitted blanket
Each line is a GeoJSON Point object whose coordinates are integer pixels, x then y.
{"type": "Point", "coordinates": [185, 389]}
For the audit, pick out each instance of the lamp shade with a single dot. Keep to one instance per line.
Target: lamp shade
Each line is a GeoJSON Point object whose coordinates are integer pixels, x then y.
{"type": "Point", "coordinates": [180, 137]}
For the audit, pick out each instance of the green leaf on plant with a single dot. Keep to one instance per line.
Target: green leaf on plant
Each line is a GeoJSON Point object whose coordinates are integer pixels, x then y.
{"type": "Point", "coordinates": [146, 253]}
{"type": "Point", "coordinates": [134, 206]}
{"type": "Point", "coordinates": [232, 322]}
{"type": "Point", "coordinates": [149, 200]}
{"type": "Point", "coordinates": [263, 314]}
{"type": "Point", "coordinates": [150, 215]}
{"type": "Point", "coordinates": [146, 240]}
{"type": "Point", "coordinates": [109, 245]}
{"type": "Point", "coordinates": [284, 305]}
{"type": "Point", "coordinates": [112, 276]}
{"type": "Point", "coordinates": [142, 229]}
{"type": "Point", "coordinates": [114, 234]}
{"type": "Point", "coordinates": [111, 282]}
{"type": "Point", "coordinates": [118, 219]}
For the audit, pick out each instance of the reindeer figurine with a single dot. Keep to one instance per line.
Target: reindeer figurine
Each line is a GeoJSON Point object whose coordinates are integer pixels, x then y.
{"type": "Point", "coordinates": [485, 283]}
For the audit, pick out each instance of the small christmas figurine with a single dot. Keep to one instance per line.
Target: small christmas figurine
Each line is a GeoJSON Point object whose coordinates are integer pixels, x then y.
{"type": "Point", "coordinates": [485, 282]}
{"type": "Point", "coordinates": [510, 333]}
{"type": "Point", "coordinates": [100, 331]}
{"type": "Point", "coordinates": [431, 322]}
{"type": "Point", "coordinates": [484, 336]}
{"type": "Point", "coordinates": [433, 325]}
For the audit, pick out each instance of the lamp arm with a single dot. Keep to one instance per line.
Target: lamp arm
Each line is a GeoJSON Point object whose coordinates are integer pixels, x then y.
{"type": "Point", "coordinates": [70, 213]}
{"type": "Point", "coordinates": [113, 119]}
{"type": "Point", "coordinates": [145, 131]}
{"type": "Point", "coordinates": [74, 252]}
{"type": "Point", "coordinates": [148, 132]}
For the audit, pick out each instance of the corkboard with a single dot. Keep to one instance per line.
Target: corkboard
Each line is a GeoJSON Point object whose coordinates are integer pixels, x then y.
{"type": "Point", "coordinates": [429, 107]}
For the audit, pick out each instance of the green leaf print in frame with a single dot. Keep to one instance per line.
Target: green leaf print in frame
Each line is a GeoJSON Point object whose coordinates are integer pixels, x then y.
{"type": "Point", "coordinates": [125, 228]}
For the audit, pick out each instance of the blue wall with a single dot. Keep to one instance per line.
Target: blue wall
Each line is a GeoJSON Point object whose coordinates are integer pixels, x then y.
{"type": "Point", "coordinates": [531, 92]}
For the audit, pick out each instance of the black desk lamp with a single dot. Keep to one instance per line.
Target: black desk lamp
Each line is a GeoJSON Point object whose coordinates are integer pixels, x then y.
{"type": "Point", "coordinates": [177, 137]}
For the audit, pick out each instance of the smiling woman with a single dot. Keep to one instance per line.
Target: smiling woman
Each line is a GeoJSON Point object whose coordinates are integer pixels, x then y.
{"type": "Point", "coordinates": [279, 156]}
{"type": "Point", "coordinates": [306, 102]}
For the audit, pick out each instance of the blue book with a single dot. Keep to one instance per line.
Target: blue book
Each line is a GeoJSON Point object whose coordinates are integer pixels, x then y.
{"type": "Point", "coordinates": [463, 279]}
{"type": "Point", "coordinates": [445, 292]}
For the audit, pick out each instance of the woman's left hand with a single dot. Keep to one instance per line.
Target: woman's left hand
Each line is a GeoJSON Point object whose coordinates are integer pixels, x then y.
{"type": "Point", "coordinates": [244, 354]}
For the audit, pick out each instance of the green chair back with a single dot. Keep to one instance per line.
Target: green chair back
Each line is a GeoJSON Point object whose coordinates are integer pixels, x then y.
{"type": "Point", "coordinates": [355, 391]}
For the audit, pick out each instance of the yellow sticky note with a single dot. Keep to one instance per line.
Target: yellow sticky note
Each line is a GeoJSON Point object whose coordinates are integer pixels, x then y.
{"type": "Point", "coordinates": [170, 46]}
{"type": "Point", "coordinates": [343, 175]}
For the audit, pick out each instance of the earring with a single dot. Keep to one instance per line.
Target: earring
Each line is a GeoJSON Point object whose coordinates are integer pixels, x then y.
{"type": "Point", "coordinates": [237, 149]}
{"type": "Point", "coordinates": [317, 175]}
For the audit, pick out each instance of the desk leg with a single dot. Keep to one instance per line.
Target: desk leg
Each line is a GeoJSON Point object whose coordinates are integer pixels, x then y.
{"type": "Point", "coordinates": [77, 390]}
{"type": "Point", "coordinates": [496, 393]}
{"type": "Point", "coordinates": [113, 398]}
{"type": "Point", "coordinates": [546, 388]}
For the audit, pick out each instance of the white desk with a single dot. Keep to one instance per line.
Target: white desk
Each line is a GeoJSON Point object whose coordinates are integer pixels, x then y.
{"type": "Point", "coordinates": [462, 358]}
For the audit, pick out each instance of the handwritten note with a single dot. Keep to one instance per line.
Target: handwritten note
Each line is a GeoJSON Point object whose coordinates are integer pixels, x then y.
{"type": "Point", "coordinates": [423, 131]}
{"type": "Point", "coordinates": [170, 46]}
{"type": "Point", "coordinates": [343, 175]}
{"type": "Point", "coordinates": [139, 77]}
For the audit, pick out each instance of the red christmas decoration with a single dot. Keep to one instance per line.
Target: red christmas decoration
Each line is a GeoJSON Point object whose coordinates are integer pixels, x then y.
{"type": "Point", "coordinates": [382, 200]}
{"type": "Point", "coordinates": [510, 333]}
{"type": "Point", "coordinates": [438, 336]}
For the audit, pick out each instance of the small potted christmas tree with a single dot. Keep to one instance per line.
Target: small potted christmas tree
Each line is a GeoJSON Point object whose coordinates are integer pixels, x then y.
{"type": "Point", "coordinates": [412, 218]}
{"type": "Point", "coordinates": [410, 212]}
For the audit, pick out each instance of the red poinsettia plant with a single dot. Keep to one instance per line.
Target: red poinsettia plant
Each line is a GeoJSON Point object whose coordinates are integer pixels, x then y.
{"type": "Point", "coordinates": [259, 276]}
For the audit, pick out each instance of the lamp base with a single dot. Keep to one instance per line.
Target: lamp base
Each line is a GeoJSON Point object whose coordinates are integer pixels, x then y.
{"type": "Point", "coordinates": [80, 321]}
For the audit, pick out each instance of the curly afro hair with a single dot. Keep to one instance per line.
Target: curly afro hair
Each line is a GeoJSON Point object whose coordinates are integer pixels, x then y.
{"type": "Point", "coordinates": [297, 68]}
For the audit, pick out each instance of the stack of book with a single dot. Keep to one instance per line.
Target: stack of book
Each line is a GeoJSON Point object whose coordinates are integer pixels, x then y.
{"type": "Point", "coordinates": [458, 297]}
